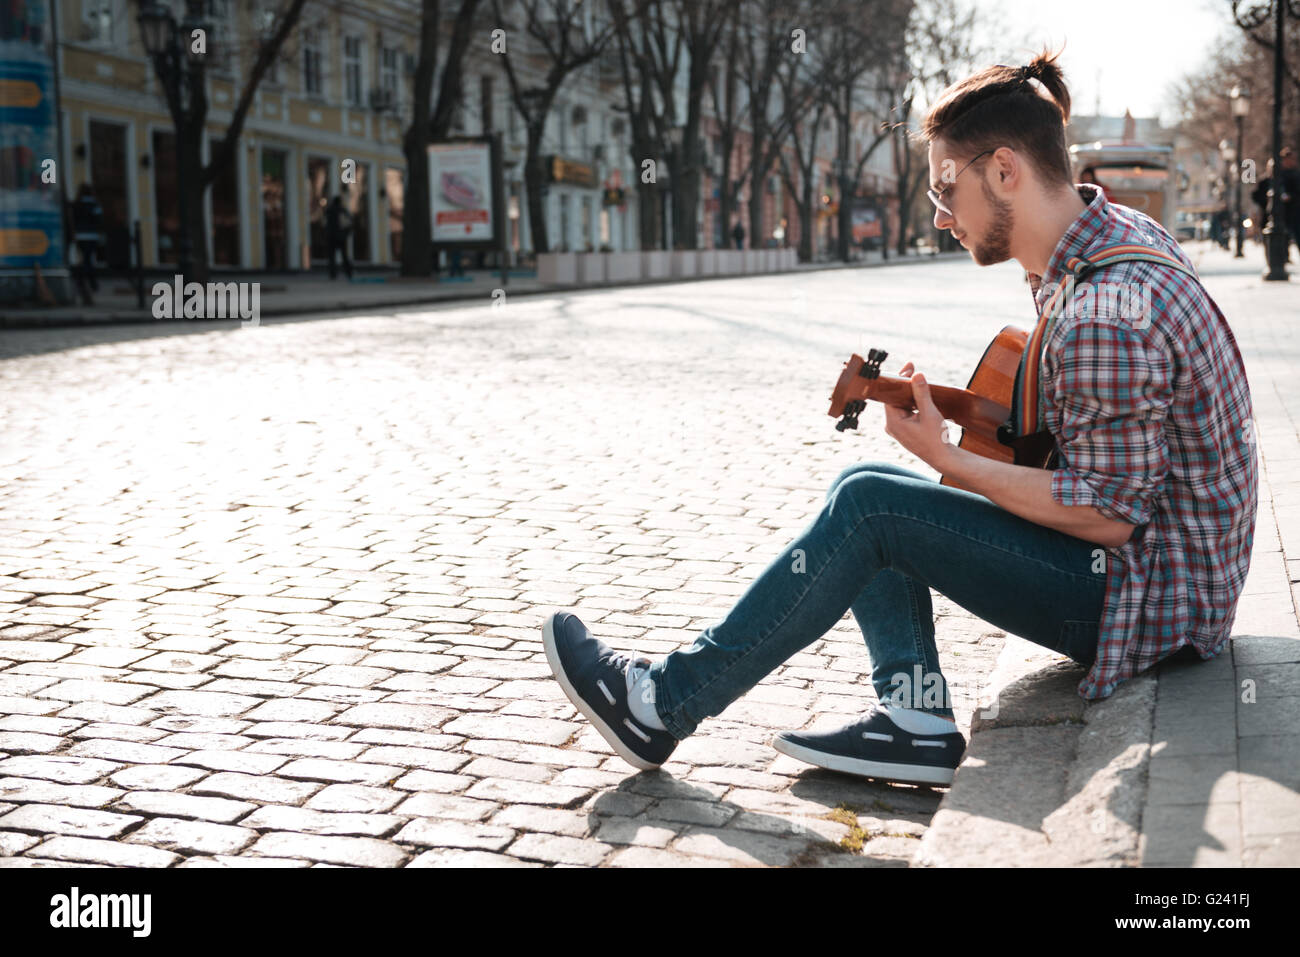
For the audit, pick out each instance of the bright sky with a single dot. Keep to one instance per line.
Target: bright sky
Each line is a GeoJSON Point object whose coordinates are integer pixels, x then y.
{"type": "Point", "coordinates": [1137, 47]}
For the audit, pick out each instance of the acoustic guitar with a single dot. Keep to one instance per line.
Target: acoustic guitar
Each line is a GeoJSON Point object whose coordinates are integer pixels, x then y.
{"type": "Point", "coordinates": [982, 409]}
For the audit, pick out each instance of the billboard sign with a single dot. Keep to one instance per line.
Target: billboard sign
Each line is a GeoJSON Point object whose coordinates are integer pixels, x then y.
{"type": "Point", "coordinates": [462, 193]}
{"type": "Point", "coordinates": [31, 213]}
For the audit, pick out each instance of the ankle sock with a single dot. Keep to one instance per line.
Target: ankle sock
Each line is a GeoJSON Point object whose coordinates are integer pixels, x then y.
{"type": "Point", "coordinates": [641, 699]}
{"type": "Point", "coordinates": [920, 722]}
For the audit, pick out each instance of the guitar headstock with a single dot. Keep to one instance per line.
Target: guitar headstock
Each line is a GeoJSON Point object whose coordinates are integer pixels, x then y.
{"type": "Point", "coordinates": [854, 387]}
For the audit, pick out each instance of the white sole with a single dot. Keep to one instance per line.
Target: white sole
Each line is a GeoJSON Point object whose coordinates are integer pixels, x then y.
{"type": "Point", "coordinates": [907, 773]}
{"type": "Point", "coordinates": [611, 737]}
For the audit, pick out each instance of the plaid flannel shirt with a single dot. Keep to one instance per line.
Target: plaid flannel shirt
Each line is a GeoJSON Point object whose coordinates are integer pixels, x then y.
{"type": "Point", "coordinates": [1152, 415]}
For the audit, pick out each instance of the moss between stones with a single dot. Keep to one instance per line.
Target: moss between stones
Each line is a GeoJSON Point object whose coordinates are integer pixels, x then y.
{"type": "Point", "coordinates": [847, 815]}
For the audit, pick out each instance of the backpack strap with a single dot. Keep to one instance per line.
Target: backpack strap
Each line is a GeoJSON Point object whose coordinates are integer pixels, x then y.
{"type": "Point", "coordinates": [1027, 411]}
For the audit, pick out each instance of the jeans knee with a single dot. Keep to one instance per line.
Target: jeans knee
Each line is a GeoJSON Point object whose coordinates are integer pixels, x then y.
{"type": "Point", "coordinates": [865, 491]}
{"type": "Point", "coordinates": [858, 469]}
{"type": "Point", "coordinates": [872, 468]}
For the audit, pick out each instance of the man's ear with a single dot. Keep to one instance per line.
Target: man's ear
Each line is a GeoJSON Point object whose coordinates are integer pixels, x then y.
{"type": "Point", "coordinates": [1008, 165]}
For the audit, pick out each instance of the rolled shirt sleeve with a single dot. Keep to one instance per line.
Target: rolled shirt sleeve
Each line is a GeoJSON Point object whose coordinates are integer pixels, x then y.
{"type": "Point", "coordinates": [1112, 390]}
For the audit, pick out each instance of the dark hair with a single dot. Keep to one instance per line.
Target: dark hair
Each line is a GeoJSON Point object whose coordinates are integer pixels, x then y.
{"type": "Point", "coordinates": [999, 106]}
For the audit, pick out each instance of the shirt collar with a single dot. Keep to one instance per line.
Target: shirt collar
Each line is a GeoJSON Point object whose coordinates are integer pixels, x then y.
{"type": "Point", "coordinates": [1087, 227]}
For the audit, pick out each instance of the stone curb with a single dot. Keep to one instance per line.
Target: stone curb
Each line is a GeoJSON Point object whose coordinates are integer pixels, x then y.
{"type": "Point", "coordinates": [1048, 780]}
{"type": "Point", "coordinates": [31, 319]}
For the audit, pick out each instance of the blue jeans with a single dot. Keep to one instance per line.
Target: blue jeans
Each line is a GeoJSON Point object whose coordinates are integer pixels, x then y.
{"type": "Point", "coordinates": [885, 536]}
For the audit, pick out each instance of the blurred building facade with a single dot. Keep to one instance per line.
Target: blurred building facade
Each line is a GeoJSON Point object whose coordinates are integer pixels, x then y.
{"type": "Point", "coordinates": [341, 91]}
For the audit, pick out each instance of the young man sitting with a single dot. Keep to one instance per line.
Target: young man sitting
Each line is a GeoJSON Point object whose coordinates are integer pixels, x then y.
{"type": "Point", "coordinates": [1135, 545]}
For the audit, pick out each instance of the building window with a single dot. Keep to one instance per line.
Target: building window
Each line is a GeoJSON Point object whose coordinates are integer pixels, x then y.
{"type": "Point", "coordinates": [318, 186]}
{"type": "Point", "coordinates": [225, 216]}
{"type": "Point", "coordinates": [108, 176]}
{"type": "Point", "coordinates": [220, 42]}
{"type": "Point", "coordinates": [167, 228]}
{"type": "Point", "coordinates": [393, 187]}
{"type": "Point", "coordinates": [274, 233]}
{"type": "Point", "coordinates": [265, 23]}
{"type": "Point", "coordinates": [389, 59]}
{"type": "Point", "coordinates": [357, 200]}
{"type": "Point", "coordinates": [99, 20]}
{"type": "Point", "coordinates": [312, 83]}
{"type": "Point", "coordinates": [353, 87]}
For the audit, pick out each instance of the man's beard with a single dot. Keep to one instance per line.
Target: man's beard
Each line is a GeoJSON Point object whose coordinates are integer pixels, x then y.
{"type": "Point", "coordinates": [995, 245]}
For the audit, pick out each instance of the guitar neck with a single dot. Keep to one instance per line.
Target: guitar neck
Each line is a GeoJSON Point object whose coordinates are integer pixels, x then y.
{"type": "Point", "coordinates": [967, 409]}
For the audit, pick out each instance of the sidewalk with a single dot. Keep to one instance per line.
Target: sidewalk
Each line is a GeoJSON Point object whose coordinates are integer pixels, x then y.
{"type": "Point", "coordinates": [286, 294]}
{"type": "Point", "coordinates": [1192, 763]}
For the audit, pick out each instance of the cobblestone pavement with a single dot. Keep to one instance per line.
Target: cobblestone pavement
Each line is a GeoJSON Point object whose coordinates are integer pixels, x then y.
{"type": "Point", "coordinates": [272, 595]}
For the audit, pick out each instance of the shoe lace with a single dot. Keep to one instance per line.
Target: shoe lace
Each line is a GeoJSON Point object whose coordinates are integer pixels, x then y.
{"type": "Point", "coordinates": [632, 667]}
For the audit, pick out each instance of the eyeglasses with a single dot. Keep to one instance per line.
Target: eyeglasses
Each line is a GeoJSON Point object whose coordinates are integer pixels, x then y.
{"type": "Point", "coordinates": [937, 198]}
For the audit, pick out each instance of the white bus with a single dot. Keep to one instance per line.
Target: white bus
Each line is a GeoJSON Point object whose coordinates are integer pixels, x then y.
{"type": "Point", "coordinates": [1136, 175]}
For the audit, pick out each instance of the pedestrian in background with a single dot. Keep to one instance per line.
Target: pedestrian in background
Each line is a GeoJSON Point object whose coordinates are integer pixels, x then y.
{"type": "Point", "coordinates": [338, 224]}
{"type": "Point", "coordinates": [738, 234]}
{"type": "Point", "coordinates": [1290, 185]}
{"type": "Point", "coordinates": [1216, 228]}
{"type": "Point", "coordinates": [1291, 195]}
{"type": "Point", "coordinates": [87, 232]}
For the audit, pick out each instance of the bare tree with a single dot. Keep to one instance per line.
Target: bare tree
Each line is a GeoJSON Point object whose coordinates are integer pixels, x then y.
{"type": "Point", "coordinates": [654, 40]}
{"type": "Point", "coordinates": [701, 24]}
{"type": "Point", "coordinates": [942, 46]}
{"type": "Point", "coordinates": [1204, 112]}
{"type": "Point", "coordinates": [1264, 36]}
{"type": "Point", "coordinates": [864, 39]}
{"type": "Point", "coordinates": [430, 121]}
{"type": "Point", "coordinates": [910, 167]}
{"type": "Point", "coordinates": [801, 81]}
{"type": "Point", "coordinates": [563, 42]}
{"type": "Point", "coordinates": [724, 90]}
{"type": "Point", "coordinates": [187, 103]}
{"type": "Point", "coordinates": [650, 54]}
{"type": "Point", "coordinates": [766, 40]}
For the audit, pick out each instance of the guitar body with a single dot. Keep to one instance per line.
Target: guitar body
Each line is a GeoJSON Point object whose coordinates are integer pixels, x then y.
{"type": "Point", "coordinates": [994, 378]}
{"type": "Point", "coordinates": [980, 409]}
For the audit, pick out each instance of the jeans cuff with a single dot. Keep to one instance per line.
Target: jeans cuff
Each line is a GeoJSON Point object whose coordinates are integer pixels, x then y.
{"type": "Point", "coordinates": [663, 708]}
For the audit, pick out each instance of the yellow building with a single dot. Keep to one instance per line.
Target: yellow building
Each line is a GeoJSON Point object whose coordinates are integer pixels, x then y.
{"type": "Point", "coordinates": [337, 94]}
{"type": "Point", "coordinates": [341, 92]}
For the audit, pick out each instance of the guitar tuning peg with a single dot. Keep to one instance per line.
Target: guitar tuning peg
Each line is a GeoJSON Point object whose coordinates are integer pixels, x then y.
{"type": "Point", "coordinates": [871, 369]}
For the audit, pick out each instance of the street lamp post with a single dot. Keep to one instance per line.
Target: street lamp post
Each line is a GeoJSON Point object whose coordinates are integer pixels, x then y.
{"type": "Point", "coordinates": [1240, 107]}
{"type": "Point", "coordinates": [1248, 17]}
{"type": "Point", "coordinates": [178, 68]}
{"type": "Point", "coordinates": [1229, 156]}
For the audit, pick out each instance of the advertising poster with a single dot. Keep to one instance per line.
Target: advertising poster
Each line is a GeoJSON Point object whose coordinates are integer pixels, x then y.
{"type": "Point", "coordinates": [460, 187]}
{"type": "Point", "coordinates": [31, 220]}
